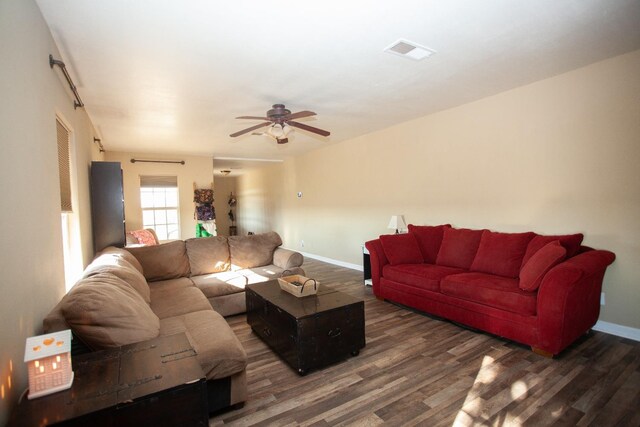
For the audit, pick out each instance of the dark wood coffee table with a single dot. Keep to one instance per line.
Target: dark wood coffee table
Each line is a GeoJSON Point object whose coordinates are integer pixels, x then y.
{"type": "Point", "coordinates": [308, 332]}
{"type": "Point", "coordinates": [157, 382]}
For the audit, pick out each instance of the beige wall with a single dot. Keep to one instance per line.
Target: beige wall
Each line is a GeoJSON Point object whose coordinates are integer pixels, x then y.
{"type": "Point", "coordinates": [557, 156]}
{"type": "Point", "coordinates": [31, 262]}
{"type": "Point", "coordinates": [195, 169]}
{"type": "Point", "coordinates": [223, 187]}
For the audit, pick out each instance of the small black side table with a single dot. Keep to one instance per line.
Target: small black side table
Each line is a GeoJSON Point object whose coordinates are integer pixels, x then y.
{"type": "Point", "coordinates": [157, 382]}
{"type": "Point", "coordinates": [366, 265]}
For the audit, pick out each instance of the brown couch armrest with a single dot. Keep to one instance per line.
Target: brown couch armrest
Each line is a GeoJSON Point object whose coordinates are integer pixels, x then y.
{"type": "Point", "coordinates": [287, 259]}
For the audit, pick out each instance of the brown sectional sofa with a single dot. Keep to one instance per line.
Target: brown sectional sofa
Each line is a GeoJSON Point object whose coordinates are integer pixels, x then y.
{"type": "Point", "coordinates": [136, 294]}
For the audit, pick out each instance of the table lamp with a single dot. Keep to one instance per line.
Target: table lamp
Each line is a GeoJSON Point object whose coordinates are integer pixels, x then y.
{"type": "Point", "coordinates": [397, 223]}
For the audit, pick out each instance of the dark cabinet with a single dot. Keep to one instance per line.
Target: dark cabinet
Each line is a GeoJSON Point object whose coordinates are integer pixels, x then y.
{"type": "Point", "coordinates": [107, 205]}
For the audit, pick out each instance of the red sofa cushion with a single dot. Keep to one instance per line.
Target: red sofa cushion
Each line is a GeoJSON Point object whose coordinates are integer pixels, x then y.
{"type": "Point", "coordinates": [424, 276]}
{"type": "Point", "coordinates": [401, 248]}
{"type": "Point", "coordinates": [571, 243]}
{"type": "Point", "coordinates": [494, 291]}
{"type": "Point", "coordinates": [459, 247]}
{"type": "Point", "coordinates": [429, 239]}
{"type": "Point", "coordinates": [539, 264]}
{"type": "Point", "coordinates": [501, 253]}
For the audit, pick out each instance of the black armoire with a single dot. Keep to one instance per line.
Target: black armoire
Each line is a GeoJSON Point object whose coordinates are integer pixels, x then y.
{"type": "Point", "coordinates": [107, 205]}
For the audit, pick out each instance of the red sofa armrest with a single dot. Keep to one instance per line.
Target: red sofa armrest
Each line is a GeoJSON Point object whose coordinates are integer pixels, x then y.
{"type": "Point", "coordinates": [569, 299]}
{"type": "Point", "coordinates": [378, 261]}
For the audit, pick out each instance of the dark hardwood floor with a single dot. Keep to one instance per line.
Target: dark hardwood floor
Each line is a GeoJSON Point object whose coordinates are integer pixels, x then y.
{"type": "Point", "coordinates": [417, 370]}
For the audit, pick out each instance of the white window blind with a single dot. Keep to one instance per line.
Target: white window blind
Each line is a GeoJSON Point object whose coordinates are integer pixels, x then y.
{"type": "Point", "coordinates": [159, 202]}
{"type": "Point", "coordinates": [147, 181]}
{"type": "Point", "coordinates": [64, 166]}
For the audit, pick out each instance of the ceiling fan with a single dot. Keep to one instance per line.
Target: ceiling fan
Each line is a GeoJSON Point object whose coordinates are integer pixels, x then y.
{"type": "Point", "coordinates": [280, 121]}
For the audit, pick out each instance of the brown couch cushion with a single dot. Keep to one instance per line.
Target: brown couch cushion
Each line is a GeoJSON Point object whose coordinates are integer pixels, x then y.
{"type": "Point", "coordinates": [208, 255]}
{"type": "Point", "coordinates": [177, 301]}
{"type": "Point", "coordinates": [253, 251]}
{"type": "Point", "coordinates": [123, 253]}
{"type": "Point", "coordinates": [119, 267]}
{"type": "Point", "coordinates": [165, 261]}
{"type": "Point", "coordinates": [180, 282]}
{"type": "Point", "coordinates": [218, 350]}
{"type": "Point", "coordinates": [104, 311]}
{"type": "Point", "coordinates": [215, 285]}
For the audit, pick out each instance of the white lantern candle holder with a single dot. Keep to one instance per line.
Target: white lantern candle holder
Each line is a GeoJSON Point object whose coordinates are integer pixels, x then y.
{"type": "Point", "coordinates": [48, 359]}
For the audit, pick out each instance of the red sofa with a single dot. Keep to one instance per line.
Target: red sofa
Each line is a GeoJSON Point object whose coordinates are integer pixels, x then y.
{"type": "Point", "coordinates": [542, 291]}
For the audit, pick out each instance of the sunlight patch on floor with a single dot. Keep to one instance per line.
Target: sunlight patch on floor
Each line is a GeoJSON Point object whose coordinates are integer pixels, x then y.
{"type": "Point", "coordinates": [477, 411]}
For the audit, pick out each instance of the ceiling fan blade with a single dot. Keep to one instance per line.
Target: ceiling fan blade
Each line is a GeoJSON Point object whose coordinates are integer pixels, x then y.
{"type": "Point", "coordinates": [247, 130]}
{"type": "Point", "coordinates": [308, 128]}
{"type": "Point", "coordinates": [253, 118]}
{"type": "Point", "coordinates": [299, 115]}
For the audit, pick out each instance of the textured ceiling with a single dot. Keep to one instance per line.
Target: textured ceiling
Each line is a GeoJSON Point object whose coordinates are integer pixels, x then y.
{"type": "Point", "coordinates": [170, 76]}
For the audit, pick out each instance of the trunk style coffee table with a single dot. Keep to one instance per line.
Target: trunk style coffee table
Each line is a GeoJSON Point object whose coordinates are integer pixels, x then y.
{"type": "Point", "coordinates": [152, 383]}
{"type": "Point", "coordinates": [308, 332]}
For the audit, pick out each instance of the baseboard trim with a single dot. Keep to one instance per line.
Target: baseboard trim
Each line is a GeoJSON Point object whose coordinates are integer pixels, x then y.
{"type": "Point", "coordinates": [618, 330]}
{"type": "Point", "coordinates": [332, 261]}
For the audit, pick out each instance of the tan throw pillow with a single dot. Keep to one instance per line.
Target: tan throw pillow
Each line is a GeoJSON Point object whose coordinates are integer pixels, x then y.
{"type": "Point", "coordinates": [162, 262]}
{"type": "Point", "coordinates": [208, 255]}
{"type": "Point", "coordinates": [253, 251]}
{"type": "Point", "coordinates": [119, 267]}
{"type": "Point", "coordinates": [104, 311]}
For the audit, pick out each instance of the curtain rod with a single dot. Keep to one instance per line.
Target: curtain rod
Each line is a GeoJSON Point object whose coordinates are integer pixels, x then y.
{"type": "Point", "coordinates": [182, 162]}
{"type": "Point", "coordinates": [78, 102]}
{"type": "Point", "coordinates": [99, 142]}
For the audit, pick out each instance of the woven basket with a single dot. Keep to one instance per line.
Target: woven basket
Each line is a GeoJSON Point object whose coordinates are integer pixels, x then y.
{"type": "Point", "coordinates": [298, 285]}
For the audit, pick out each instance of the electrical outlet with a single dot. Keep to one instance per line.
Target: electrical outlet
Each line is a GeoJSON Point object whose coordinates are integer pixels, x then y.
{"type": "Point", "coordinates": [302, 243]}
{"type": "Point", "coordinates": [602, 298]}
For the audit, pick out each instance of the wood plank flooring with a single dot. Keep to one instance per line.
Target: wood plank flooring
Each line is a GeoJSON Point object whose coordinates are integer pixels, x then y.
{"type": "Point", "coordinates": [418, 370]}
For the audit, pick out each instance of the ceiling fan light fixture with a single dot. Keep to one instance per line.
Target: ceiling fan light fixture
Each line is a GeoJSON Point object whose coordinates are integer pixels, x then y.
{"type": "Point", "coordinates": [280, 122]}
{"type": "Point", "coordinates": [276, 131]}
{"type": "Point", "coordinates": [279, 131]}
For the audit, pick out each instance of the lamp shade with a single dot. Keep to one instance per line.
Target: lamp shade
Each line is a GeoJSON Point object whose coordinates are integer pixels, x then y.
{"type": "Point", "coordinates": [397, 223]}
{"type": "Point", "coordinates": [276, 130]}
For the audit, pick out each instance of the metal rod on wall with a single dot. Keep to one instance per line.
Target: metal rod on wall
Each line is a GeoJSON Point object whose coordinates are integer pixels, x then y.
{"type": "Point", "coordinates": [99, 142]}
{"type": "Point", "coordinates": [182, 162]}
{"type": "Point", "coordinates": [78, 102]}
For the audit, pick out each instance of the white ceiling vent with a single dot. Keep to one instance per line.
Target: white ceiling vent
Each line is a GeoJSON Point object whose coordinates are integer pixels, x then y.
{"type": "Point", "coordinates": [409, 49]}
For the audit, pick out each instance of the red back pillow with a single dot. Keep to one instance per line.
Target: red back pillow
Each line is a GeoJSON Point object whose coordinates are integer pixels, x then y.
{"type": "Point", "coordinates": [145, 237]}
{"type": "Point", "coordinates": [571, 242]}
{"type": "Point", "coordinates": [501, 253]}
{"type": "Point", "coordinates": [539, 264]}
{"type": "Point", "coordinates": [429, 240]}
{"type": "Point", "coordinates": [459, 247]}
{"type": "Point", "coordinates": [401, 249]}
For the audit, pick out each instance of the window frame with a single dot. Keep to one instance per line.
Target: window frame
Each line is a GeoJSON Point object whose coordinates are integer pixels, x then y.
{"type": "Point", "coordinates": [157, 224]}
